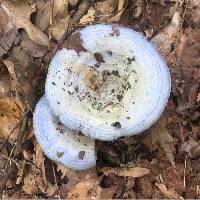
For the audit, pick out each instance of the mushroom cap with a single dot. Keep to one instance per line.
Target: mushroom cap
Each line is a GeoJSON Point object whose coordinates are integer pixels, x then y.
{"type": "Point", "coordinates": [59, 143]}
{"type": "Point", "coordinates": [109, 82]}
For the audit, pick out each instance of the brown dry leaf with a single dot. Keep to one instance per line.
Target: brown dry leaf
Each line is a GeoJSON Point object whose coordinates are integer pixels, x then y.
{"type": "Point", "coordinates": [88, 189]}
{"type": "Point", "coordinates": [66, 171]}
{"type": "Point", "coordinates": [198, 97]}
{"type": "Point", "coordinates": [5, 24]}
{"type": "Point", "coordinates": [106, 8]}
{"type": "Point", "coordinates": [4, 85]}
{"type": "Point", "coordinates": [132, 172]}
{"type": "Point", "coordinates": [3, 159]}
{"type": "Point", "coordinates": [60, 19]}
{"type": "Point", "coordinates": [32, 48]}
{"type": "Point", "coordinates": [107, 193]}
{"type": "Point", "coordinates": [73, 2]}
{"type": "Point", "coordinates": [137, 8]}
{"type": "Point", "coordinates": [129, 140]}
{"type": "Point", "coordinates": [10, 114]}
{"type": "Point", "coordinates": [29, 71]}
{"type": "Point", "coordinates": [89, 17]}
{"type": "Point", "coordinates": [20, 13]}
{"type": "Point", "coordinates": [54, 16]}
{"type": "Point", "coordinates": [7, 31]}
{"type": "Point", "coordinates": [30, 185]}
{"type": "Point", "coordinates": [164, 39]}
{"type": "Point", "coordinates": [75, 176]}
{"type": "Point", "coordinates": [121, 8]}
{"type": "Point", "coordinates": [33, 176]}
{"type": "Point", "coordinates": [10, 66]}
{"type": "Point", "coordinates": [21, 172]}
{"type": "Point", "coordinates": [42, 18]}
{"type": "Point", "coordinates": [4, 81]}
{"type": "Point", "coordinates": [39, 157]}
{"type": "Point", "coordinates": [168, 193]}
{"type": "Point", "coordinates": [194, 10]}
{"type": "Point", "coordinates": [160, 136]}
{"type": "Point", "coordinates": [38, 161]}
{"type": "Point", "coordinates": [51, 189]}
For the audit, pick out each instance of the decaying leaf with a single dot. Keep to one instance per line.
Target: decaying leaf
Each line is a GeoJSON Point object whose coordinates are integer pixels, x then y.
{"type": "Point", "coordinates": [5, 24]}
{"type": "Point", "coordinates": [107, 193]}
{"type": "Point", "coordinates": [73, 2]}
{"type": "Point", "coordinates": [193, 11]}
{"type": "Point", "coordinates": [4, 85]}
{"type": "Point", "coordinates": [38, 161]}
{"type": "Point", "coordinates": [137, 8]}
{"type": "Point", "coordinates": [53, 15]}
{"type": "Point", "coordinates": [42, 19]}
{"type": "Point", "coordinates": [76, 181]}
{"type": "Point", "coordinates": [60, 19]}
{"type": "Point", "coordinates": [32, 48]}
{"type": "Point", "coordinates": [75, 176]}
{"type": "Point", "coordinates": [160, 136]}
{"type": "Point", "coordinates": [168, 193]}
{"type": "Point", "coordinates": [32, 176]}
{"type": "Point", "coordinates": [4, 81]}
{"type": "Point", "coordinates": [164, 39]}
{"type": "Point", "coordinates": [39, 157]}
{"type": "Point", "coordinates": [10, 66]}
{"type": "Point", "coordinates": [51, 189]}
{"type": "Point", "coordinates": [121, 8]}
{"type": "Point", "coordinates": [30, 186]}
{"type": "Point", "coordinates": [70, 173]}
{"type": "Point", "coordinates": [88, 189]}
{"type": "Point", "coordinates": [20, 14]}
{"type": "Point", "coordinates": [106, 8]}
{"type": "Point", "coordinates": [132, 172]}
{"type": "Point", "coordinates": [198, 97]}
{"type": "Point", "coordinates": [89, 17]}
{"type": "Point", "coordinates": [129, 140]}
{"type": "Point", "coordinates": [10, 114]}
{"type": "Point", "coordinates": [7, 30]}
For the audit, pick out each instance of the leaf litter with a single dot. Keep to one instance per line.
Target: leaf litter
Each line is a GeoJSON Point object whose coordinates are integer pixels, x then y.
{"type": "Point", "coordinates": [160, 163]}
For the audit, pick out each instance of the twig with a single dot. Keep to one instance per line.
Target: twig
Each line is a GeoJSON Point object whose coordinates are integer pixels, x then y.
{"type": "Point", "coordinates": [9, 159]}
{"type": "Point", "coordinates": [185, 165]}
{"type": "Point", "coordinates": [12, 160]}
{"type": "Point", "coordinates": [51, 18]}
{"type": "Point", "coordinates": [24, 127]}
{"type": "Point", "coordinates": [12, 131]}
{"type": "Point", "coordinates": [54, 174]}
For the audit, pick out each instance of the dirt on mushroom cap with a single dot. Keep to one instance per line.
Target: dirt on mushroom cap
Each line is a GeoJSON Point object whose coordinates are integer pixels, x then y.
{"type": "Point", "coordinates": [104, 81]}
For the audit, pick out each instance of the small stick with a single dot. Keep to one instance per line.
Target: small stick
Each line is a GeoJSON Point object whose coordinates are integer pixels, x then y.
{"type": "Point", "coordinates": [51, 18]}
{"type": "Point", "coordinates": [9, 159]}
{"type": "Point", "coordinates": [21, 135]}
{"type": "Point", "coordinates": [12, 160]}
{"type": "Point", "coordinates": [185, 165]}
{"type": "Point", "coordinates": [54, 174]}
{"type": "Point", "coordinates": [12, 131]}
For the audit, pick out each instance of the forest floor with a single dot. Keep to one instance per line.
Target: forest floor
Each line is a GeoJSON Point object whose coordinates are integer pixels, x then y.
{"type": "Point", "coordinates": [163, 162]}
